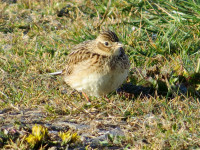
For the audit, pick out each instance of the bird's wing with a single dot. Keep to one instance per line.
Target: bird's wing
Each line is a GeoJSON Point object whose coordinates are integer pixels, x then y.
{"type": "Point", "coordinates": [80, 53]}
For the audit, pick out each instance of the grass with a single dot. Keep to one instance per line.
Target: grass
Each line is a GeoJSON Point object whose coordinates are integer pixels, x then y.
{"type": "Point", "coordinates": [162, 41]}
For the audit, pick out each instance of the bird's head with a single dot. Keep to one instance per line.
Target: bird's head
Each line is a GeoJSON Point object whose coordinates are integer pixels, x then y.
{"type": "Point", "coordinates": [108, 44]}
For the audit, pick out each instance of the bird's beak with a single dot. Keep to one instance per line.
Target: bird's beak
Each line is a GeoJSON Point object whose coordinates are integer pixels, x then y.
{"type": "Point", "coordinates": [120, 45]}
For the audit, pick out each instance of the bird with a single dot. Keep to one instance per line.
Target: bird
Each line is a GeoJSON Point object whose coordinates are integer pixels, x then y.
{"type": "Point", "coordinates": [96, 67]}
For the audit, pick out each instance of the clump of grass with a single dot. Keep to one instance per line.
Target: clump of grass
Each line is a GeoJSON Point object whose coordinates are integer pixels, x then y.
{"type": "Point", "coordinates": [41, 138]}
{"type": "Point", "coordinates": [69, 137]}
{"type": "Point", "coordinates": [39, 135]}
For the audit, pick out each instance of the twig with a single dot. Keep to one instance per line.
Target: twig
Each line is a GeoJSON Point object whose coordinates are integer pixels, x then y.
{"type": "Point", "coordinates": [4, 94]}
{"type": "Point", "coordinates": [55, 73]}
{"type": "Point", "coordinates": [104, 16]}
{"type": "Point", "coordinates": [16, 108]}
{"type": "Point", "coordinates": [198, 66]}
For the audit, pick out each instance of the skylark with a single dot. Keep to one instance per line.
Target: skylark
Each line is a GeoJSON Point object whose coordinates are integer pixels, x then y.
{"type": "Point", "coordinates": [97, 67]}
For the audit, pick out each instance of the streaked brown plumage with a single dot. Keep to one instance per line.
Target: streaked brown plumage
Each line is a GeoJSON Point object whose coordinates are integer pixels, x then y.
{"type": "Point", "coordinates": [97, 67]}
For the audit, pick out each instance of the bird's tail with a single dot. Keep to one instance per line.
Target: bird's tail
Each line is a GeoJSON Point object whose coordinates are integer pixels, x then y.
{"type": "Point", "coordinates": [56, 73]}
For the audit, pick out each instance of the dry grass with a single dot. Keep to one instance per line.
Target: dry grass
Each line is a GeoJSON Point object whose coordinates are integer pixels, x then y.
{"type": "Point", "coordinates": [162, 40]}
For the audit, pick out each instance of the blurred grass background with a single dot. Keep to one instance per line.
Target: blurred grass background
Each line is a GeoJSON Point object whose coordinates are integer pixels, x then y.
{"type": "Point", "coordinates": [161, 38]}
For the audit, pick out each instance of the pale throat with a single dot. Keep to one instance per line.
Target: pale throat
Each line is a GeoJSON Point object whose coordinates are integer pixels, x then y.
{"type": "Point", "coordinates": [117, 51]}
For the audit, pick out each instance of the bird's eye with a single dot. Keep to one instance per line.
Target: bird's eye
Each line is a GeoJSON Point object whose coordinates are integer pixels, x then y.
{"type": "Point", "coordinates": [106, 43]}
